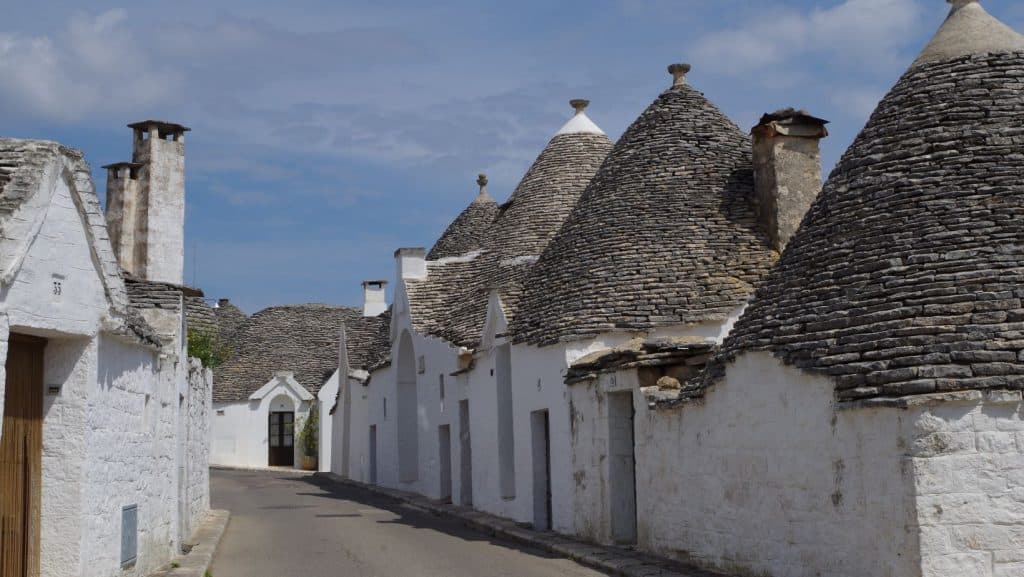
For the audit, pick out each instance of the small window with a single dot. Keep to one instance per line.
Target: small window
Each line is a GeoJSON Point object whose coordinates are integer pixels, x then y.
{"type": "Point", "coordinates": [422, 366]}
{"type": "Point", "coordinates": [385, 408]}
{"type": "Point", "coordinates": [441, 384]}
{"type": "Point", "coordinates": [220, 412]}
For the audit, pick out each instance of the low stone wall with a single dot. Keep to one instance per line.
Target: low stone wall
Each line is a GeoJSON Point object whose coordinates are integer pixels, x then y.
{"type": "Point", "coordinates": [197, 445]}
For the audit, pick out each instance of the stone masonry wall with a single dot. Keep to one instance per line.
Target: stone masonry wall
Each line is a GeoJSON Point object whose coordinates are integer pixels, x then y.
{"type": "Point", "coordinates": [968, 463]}
{"type": "Point", "coordinates": [197, 444]}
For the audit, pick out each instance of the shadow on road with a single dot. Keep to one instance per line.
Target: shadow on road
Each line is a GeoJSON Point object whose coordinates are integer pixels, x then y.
{"type": "Point", "coordinates": [407, 515]}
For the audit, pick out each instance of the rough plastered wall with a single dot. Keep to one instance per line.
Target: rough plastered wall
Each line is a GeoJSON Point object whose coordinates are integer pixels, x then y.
{"type": "Point", "coordinates": [131, 458]}
{"type": "Point", "coordinates": [197, 444]}
{"type": "Point", "coordinates": [359, 433]}
{"type": "Point", "coordinates": [327, 396]}
{"type": "Point", "coordinates": [70, 363]}
{"type": "Point", "coordinates": [382, 386]}
{"type": "Point", "coordinates": [765, 477]}
{"type": "Point", "coordinates": [5, 330]}
{"type": "Point", "coordinates": [240, 429]}
{"type": "Point", "coordinates": [58, 288]}
{"type": "Point", "coordinates": [967, 458]}
{"type": "Point", "coordinates": [592, 494]}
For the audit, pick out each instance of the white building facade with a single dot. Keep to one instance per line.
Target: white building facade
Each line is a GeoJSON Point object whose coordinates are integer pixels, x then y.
{"type": "Point", "coordinates": [105, 430]}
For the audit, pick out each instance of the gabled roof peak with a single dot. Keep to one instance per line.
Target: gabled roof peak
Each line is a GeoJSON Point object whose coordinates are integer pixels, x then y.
{"type": "Point", "coordinates": [969, 30]}
{"type": "Point", "coordinates": [580, 123]}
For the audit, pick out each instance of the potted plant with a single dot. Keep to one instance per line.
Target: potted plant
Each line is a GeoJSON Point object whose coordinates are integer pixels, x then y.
{"type": "Point", "coordinates": [309, 439]}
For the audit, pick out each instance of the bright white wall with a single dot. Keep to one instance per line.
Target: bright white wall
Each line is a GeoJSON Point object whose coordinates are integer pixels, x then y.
{"type": "Point", "coordinates": [59, 253]}
{"type": "Point", "coordinates": [326, 396]}
{"type": "Point", "coordinates": [967, 458]}
{"type": "Point", "coordinates": [240, 435]}
{"type": "Point", "coordinates": [197, 444]}
{"type": "Point", "coordinates": [764, 476]}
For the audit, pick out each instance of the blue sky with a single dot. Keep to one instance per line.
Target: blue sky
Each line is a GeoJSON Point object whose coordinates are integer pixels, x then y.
{"type": "Point", "coordinates": [326, 134]}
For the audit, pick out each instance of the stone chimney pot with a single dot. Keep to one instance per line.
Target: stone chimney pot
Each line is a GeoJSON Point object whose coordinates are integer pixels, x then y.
{"type": "Point", "coordinates": [579, 104]}
{"type": "Point", "coordinates": [679, 72]}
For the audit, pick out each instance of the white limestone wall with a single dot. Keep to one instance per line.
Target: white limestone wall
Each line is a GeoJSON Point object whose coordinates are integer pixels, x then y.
{"type": "Point", "coordinates": [359, 433]}
{"type": "Point", "coordinates": [967, 458]}
{"type": "Point", "coordinates": [240, 434]}
{"type": "Point", "coordinates": [327, 397]}
{"type": "Point", "coordinates": [197, 445]}
{"type": "Point", "coordinates": [131, 456]}
{"type": "Point", "coordinates": [764, 476]}
{"type": "Point", "coordinates": [438, 358]}
{"type": "Point", "coordinates": [70, 363]}
{"type": "Point", "coordinates": [57, 287]}
{"type": "Point", "coordinates": [381, 387]}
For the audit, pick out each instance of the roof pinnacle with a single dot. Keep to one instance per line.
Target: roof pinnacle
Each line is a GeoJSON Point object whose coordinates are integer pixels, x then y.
{"type": "Point", "coordinates": [957, 4]}
{"type": "Point", "coordinates": [679, 72]}
{"type": "Point", "coordinates": [482, 183]}
{"type": "Point", "coordinates": [579, 104]}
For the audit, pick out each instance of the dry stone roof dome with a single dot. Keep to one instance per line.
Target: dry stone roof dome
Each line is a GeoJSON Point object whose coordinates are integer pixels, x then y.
{"type": "Point", "coordinates": [302, 339]}
{"type": "Point", "coordinates": [907, 275]}
{"type": "Point", "coordinates": [451, 303]}
{"type": "Point", "coordinates": [468, 231]}
{"type": "Point", "coordinates": [665, 234]}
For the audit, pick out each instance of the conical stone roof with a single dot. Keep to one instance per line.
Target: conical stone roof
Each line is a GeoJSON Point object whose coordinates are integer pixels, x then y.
{"type": "Point", "coordinates": [469, 230]}
{"type": "Point", "coordinates": [665, 234]}
{"type": "Point", "coordinates": [907, 275]}
{"type": "Point", "coordinates": [451, 303]}
{"type": "Point", "coordinates": [550, 188]}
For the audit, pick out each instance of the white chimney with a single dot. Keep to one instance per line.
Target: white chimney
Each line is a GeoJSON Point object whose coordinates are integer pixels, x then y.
{"type": "Point", "coordinates": [374, 301]}
{"type": "Point", "coordinates": [412, 263]}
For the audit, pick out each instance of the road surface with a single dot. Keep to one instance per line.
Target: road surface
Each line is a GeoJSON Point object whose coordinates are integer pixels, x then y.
{"type": "Point", "coordinates": [289, 525]}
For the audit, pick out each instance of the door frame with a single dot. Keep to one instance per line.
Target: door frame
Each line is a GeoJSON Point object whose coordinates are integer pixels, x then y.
{"type": "Point", "coordinates": [26, 417]}
{"type": "Point", "coordinates": [282, 446]}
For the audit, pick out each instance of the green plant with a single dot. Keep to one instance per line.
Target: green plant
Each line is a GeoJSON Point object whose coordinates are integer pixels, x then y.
{"type": "Point", "coordinates": [208, 349]}
{"type": "Point", "coordinates": [309, 436]}
{"type": "Point", "coordinates": [207, 574]}
{"type": "Point", "coordinates": [175, 564]}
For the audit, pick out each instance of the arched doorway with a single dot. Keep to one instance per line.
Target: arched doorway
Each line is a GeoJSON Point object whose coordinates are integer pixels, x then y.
{"type": "Point", "coordinates": [407, 419]}
{"type": "Point", "coordinates": [281, 432]}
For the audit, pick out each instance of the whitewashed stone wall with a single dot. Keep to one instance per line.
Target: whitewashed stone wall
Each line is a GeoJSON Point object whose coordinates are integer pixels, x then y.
{"type": "Point", "coordinates": [240, 431]}
{"type": "Point", "coordinates": [197, 444]}
{"type": "Point", "coordinates": [381, 387]}
{"type": "Point", "coordinates": [327, 396]}
{"type": "Point", "coordinates": [764, 476]}
{"type": "Point", "coordinates": [130, 458]}
{"type": "Point", "coordinates": [967, 459]}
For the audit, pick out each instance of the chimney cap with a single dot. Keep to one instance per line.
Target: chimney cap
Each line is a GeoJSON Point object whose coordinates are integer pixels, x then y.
{"type": "Point", "coordinates": [791, 116]}
{"type": "Point", "coordinates": [679, 72]}
{"type": "Point", "coordinates": [481, 181]}
{"type": "Point", "coordinates": [579, 104]}
{"type": "Point", "coordinates": [120, 165]}
{"type": "Point", "coordinates": [411, 251]}
{"type": "Point", "coordinates": [367, 283]}
{"type": "Point", "coordinates": [161, 125]}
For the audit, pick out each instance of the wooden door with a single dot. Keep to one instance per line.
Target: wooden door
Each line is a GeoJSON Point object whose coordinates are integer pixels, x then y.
{"type": "Point", "coordinates": [282, 439]}
{"type": "Point", "coordinates": [21, 455]}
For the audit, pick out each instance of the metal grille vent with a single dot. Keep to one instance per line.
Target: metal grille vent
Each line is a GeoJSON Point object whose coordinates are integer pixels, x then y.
{"type": "Point", "coordinates": [129, 535]}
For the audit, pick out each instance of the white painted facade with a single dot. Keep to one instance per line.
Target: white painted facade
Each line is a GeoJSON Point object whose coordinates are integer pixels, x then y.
{"type": "Point", "coordinates": [124, 422]}
{"type": "Point", "coordinates": [240, 431]}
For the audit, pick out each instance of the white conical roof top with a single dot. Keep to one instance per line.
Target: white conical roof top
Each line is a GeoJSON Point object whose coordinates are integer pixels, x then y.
{"type": "Point", "coordinates": [580, 123]}
{"type": "Point", "coordinates": [968, 30]}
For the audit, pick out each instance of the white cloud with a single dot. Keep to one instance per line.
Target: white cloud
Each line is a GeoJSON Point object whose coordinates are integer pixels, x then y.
{"type": "Point", "coordinates": [862, 33]}
{"type": "Point", "coordinates": [95, 67]}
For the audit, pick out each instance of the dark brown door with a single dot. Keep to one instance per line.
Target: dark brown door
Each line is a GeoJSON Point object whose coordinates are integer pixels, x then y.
{"type": "Point", "coordinates": [21, 455]}
{"type": "Point", "coordinates": [282, 439]}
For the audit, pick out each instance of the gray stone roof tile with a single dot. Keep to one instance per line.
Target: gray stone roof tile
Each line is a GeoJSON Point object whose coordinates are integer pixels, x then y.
{"type": "Point", "coordinates": [907, 275]}
{"type": "Point", "coordinates": [469, 230]}
{"type": "Point", "coordinates": [302, 339]}
{"type": "Point", "coordinates": [451, 303]}
{"type": "Point", "coordinates": [665, 234]}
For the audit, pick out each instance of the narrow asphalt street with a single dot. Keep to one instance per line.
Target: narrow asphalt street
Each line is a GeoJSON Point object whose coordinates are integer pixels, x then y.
{"type": "Point", "coordinates": [284, 524]}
